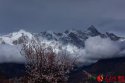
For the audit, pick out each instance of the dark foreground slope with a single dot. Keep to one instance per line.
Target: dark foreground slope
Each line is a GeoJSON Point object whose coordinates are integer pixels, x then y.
{"type": "Point", "coordinates": [10, 70]}
{"type": "Point", "coordinates": [115, 66]}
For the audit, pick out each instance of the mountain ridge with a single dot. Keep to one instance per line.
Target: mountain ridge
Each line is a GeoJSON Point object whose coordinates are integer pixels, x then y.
{"type": "Point", "coordinates": [74, 37]}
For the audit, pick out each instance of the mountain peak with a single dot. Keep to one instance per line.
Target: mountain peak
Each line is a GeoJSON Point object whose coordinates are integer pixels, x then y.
{"type": "Point", "coordinates": [92, 28]}
{"type": "Point", "coordinates": [71, 31]}
{"type": "Point", "coordinates": [92, 31]}
{"type": "Point", "coordinates": [112, 36]}
{"type": "Point", "coordinates": [20, 33]}
{"type": "Point", "coordinates": [15, 36]}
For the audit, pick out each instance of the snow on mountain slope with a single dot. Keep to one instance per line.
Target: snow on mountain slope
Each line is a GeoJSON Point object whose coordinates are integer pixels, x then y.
{"type": "Point", "coordinates": [76, 37]}
{"type": "Point", "coordinates": [10, 38]}
{"type": "Point", "coordinates": [71, 40]}
{"type": "Point", "coordinates": [15, 36]}
{"type": "Point", "coordinates": [89, 45]}
{"type": "Point", "coordinates": [73, 37]}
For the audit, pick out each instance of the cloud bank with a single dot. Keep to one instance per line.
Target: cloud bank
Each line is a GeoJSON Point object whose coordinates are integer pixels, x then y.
{"type": "Point", "coordinates": [96, 48]}
{"type": "Point", "coordinates": [9, 53]}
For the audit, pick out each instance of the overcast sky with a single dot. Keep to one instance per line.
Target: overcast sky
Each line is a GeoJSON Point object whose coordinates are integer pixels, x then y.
{"type": "Point", "coordinates": [59, 15]}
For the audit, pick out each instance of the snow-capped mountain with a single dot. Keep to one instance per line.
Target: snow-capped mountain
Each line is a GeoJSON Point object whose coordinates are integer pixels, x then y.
{"type": "Point", "coordinates": [14, 38]}
{"type": "Point", "coordinates": [89, 45]}
{"type": "Point", "coordinates": [76, 37]}
{"type": "Point", "coordinates": [73, 37]}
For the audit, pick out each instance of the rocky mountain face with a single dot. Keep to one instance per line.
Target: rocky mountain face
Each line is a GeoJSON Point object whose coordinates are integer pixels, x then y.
{"type": "Point", "coordinates": [74, 37]}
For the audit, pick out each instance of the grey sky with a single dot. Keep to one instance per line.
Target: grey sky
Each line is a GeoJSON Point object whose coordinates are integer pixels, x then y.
{"type": "Point", "coordinates": [58, 15]}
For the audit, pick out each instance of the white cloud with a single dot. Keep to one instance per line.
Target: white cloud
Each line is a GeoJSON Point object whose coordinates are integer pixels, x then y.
{"type": "Point", "coordinates": [9, 53]}
{"type": "Point", "coordinates": [97, 48]}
